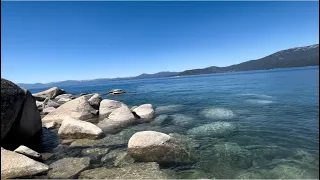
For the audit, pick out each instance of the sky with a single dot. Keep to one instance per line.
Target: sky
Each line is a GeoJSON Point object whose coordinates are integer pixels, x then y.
{"type": "Point", "coordinates": [56, 41]}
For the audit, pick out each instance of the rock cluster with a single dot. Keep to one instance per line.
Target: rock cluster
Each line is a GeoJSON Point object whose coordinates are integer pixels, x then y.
{"type": "Point", "coordinates": [87, 120]}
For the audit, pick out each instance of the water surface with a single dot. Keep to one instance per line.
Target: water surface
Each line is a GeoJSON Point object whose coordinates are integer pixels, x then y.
{"type": "Point", "coordinates": [258, 124]}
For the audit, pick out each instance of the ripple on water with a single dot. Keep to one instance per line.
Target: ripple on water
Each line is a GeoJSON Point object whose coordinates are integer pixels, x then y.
{"type": "Point", "coordinates": [217, 113]}
{"type": "Point", "coordinates": [213, 129]}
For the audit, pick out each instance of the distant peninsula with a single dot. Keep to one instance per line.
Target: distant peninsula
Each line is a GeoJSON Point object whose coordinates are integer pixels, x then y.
{"type": "Point", "coordinates": [293, 57]}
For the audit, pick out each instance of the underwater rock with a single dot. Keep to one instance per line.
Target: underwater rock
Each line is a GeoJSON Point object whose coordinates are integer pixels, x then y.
{"type": "Point", "coordinates": [182, 120]}
{"type": "Point", "coordinates": [68, 168]}
{"type": "Point", "coordinates": [134, 171]}
{"type": "Point", "coordinates": [217, 113]}
{"type": "Point", "coordinates": [213, 129]}
{"type": "Point", "coordinates": [168, 109]}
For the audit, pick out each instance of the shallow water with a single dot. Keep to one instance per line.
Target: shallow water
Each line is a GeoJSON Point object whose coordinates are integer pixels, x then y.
{"type": "Point", "coordinates": [259, 124]}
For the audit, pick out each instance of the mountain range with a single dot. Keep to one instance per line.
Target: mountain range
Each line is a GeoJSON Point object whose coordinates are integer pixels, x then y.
{"type": "Point", "coordinates": [293, 57]}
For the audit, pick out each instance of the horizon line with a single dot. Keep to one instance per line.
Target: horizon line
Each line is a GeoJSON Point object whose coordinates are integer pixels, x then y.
{"type": "Point", "coordinates": [167, 70]}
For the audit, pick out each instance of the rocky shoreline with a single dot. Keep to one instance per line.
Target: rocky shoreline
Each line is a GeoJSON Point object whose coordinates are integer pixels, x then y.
{"type": "Point", "coordinates": [92, 135]}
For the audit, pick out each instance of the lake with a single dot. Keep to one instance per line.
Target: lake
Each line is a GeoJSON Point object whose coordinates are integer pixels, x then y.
{"type": "Point", "coordinates": [257, 124]}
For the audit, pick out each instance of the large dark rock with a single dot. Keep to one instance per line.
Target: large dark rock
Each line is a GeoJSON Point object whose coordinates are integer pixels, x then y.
{"type": "Point", "coordinates": [20, 118]}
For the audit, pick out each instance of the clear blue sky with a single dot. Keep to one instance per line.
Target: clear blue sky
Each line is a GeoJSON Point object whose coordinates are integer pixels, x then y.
{"type": "Point", "coordinates": [54, 41]}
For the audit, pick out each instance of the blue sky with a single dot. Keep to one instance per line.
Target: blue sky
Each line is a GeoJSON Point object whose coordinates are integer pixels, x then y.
{"type": "Point", "coordinates": [54, 41]}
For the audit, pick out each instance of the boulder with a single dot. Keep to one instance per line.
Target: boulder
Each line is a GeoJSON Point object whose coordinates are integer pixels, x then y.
{"type": "Point", "coordinates": [67, 96]}
{"type": "Point", "coordinates": [50, 93]}
{"type": "Point", "coordinates": [20, 117]}
{"type": "Point", "coordinates": [63, 100]}
{"type": "Point", "coordinates": [39, 97]}
{"type": "Point", "coordinates": [15, 165]}
{"type": "Point", "coordinates": [28, 152]}
{"type": "Point", "coordinates": [51, 103]}
{"type": "Point", "coordinates": [50, 125]}
{"type": "Point", "coordinates": [39, 104]}
{"type": "Point", "coordinates": [95, 100]}
{"type": "Point", "coordinates": [68, 168]}
{"type": "Point", "coordinates": [48, 110]}
{"type": "Point", "coordinates": [133, 107]}
{"type": "Point", "coordinates": [78, 108]}
{"type": "Point", "coordinates": [76, 129]}
{"type": "Point", "coordinates": [145, 111]}
{"type": "Point", "coordinates": [134, 171]}
{"type": "Point", "coordinates": [107, 106]}
{"type": "Point", "coordinates": [119, 118]}
{"type": "Point", "coordinates": [152, 146]}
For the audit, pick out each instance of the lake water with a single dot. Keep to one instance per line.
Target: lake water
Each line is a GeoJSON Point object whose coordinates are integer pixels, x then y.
{"type": "Point", "coordinates": [258, 124]}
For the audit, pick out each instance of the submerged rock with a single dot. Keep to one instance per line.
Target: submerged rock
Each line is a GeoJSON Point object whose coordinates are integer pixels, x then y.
{"type": "Point", "coordinates": [224, 160]}
{"type": "Point", "coordinates": [145, 112]}
{"type": "Point", "coordinates": [15, 165]}
{"type": "Point", "coordinates": [107, 106]}
{"type": "Point", "coordinates": [217, 113]}
{"type": "Point", "coordinates": [290, 171]}
{"type": "Point", "coordinates": [68, 168]}
{"type": "Point", "coordinates": [134, 171]}
{"type": "Point", "coordinates": [93, 152]}
{"type": "Point", "coordinates": [152, 146]}
{"type": "Point", "coordinates": [78, 108]}
{"type": "Point", "coordinates": [159, 120]}
{"type": "Point", "coordinates": [187, 174]}
{"type": "Point", "coordinates": [109, 140]}
{"type": "Point", "coordinates": [232, 154]}
{"type": "Point", "coordinates": [168, 108]}
{"type": "Point", "coordinates": [182, 120]}
{"type": "Point", "coordinates": [213, 129]}
{"type": "Point", "coordinates": [258, 101]}
{"type": "Point", "coordinates": [76, 129]}
{"type": "Point", "coordinates": [123, 159]}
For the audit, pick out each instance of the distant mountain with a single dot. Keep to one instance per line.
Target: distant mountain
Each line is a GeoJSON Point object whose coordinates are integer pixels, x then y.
{"type": "Point", "coordinates": [95, 81]}
{"type": "Point", "coordinates": [294, 57]}
{"type": "Point", "coordinates": [156, 75]}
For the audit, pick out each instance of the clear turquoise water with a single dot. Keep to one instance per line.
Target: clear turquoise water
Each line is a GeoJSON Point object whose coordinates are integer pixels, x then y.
{"type": "Point", "coordinates": [271, 127]}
